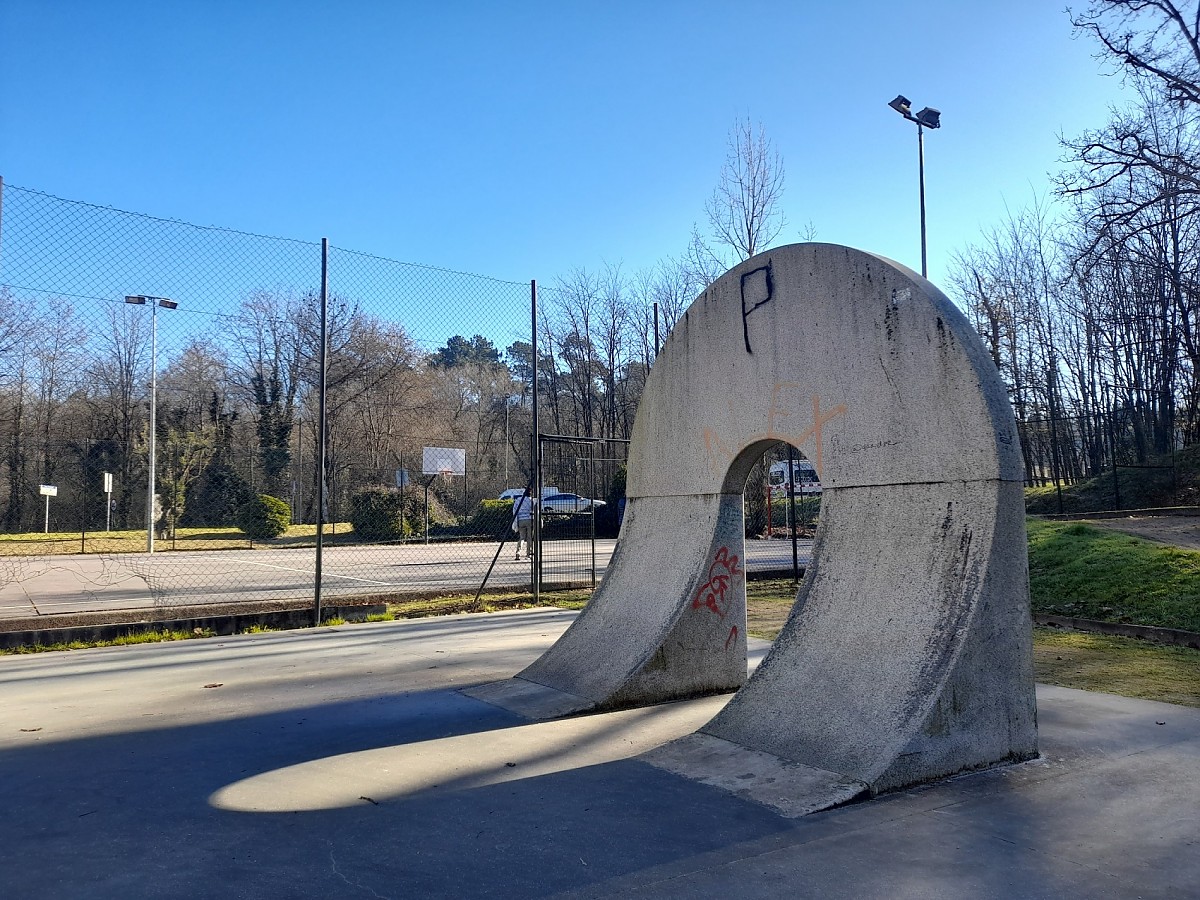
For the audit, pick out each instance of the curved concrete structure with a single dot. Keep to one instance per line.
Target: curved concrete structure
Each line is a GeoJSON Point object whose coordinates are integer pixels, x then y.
{"type": "Point", "coordinates": [907, 656]}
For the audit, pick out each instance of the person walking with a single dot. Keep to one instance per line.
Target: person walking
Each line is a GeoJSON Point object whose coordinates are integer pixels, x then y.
{"type": "Point", "coordinates": [523, 513]}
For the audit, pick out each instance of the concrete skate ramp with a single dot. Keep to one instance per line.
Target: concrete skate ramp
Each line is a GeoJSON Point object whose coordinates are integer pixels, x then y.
{"type": "Point", "coordinates": [907, 655]}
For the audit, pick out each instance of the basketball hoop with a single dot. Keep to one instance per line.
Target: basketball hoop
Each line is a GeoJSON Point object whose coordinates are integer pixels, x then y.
{"type": "Point", "coordinates": [445, 474]}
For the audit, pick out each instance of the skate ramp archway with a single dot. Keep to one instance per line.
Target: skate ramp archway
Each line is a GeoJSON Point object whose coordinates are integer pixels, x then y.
{"type": "Point", "coordinates": [907, 655]}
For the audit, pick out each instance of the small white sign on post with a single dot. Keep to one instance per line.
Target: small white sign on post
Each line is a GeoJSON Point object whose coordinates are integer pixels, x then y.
{"type": "Point", "coordinates": [107, 501]}
{"type": "Point", "coordinates": [48, 491]}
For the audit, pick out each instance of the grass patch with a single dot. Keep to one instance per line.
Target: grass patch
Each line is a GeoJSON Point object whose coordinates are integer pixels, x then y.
{"type": "Point", "coordinates": [465, 603]}
{"type": "Point", "coordinates": [1092, 573]}
{"type": "Point", "coordinates": [768, 604]}
{"type": "Point", "coordinates": [125, 640]}
{"type": "Point", "coordinates": [134, 541]}
{"type": "Point", "coordinates": [1170, 480]}
{"type": "Point", "coordinates": [1116, 665]}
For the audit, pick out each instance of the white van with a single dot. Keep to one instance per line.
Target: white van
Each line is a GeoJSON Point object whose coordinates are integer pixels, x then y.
{"type": "Point", "coordinates": [804, 477]}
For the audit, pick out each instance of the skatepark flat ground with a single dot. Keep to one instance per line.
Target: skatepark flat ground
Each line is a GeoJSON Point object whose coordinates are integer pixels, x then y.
{"type": "Point", "coordinates": [343, 762]}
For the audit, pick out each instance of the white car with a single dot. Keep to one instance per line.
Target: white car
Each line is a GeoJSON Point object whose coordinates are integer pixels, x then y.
{"type": "Point", "coordinates": [515, 494]}
{"type": "Point", "coordinates": [569, 503]}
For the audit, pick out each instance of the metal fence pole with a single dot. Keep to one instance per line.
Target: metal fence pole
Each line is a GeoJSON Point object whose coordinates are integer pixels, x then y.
{"type": "Point", "coordinates": [536, 448]}
{"type": "Point", "coordinates": [324, 366]}
{"type": "Point", "coordinates": [592, 505]}
{"type": "Point", "coordinates": [791, 483]}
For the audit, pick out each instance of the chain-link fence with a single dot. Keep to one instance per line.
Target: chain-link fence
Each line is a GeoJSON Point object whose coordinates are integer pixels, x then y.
{"type": "Point", "coordinates": [161, 400]}
{"type": "Point", "coordinates": [126, 335]}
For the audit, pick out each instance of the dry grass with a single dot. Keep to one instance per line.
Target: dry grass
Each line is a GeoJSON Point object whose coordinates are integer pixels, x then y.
{"type": "Point", "coordinates": [206, 538]}
{"type": "Point", "coordinates": [1116, 665]}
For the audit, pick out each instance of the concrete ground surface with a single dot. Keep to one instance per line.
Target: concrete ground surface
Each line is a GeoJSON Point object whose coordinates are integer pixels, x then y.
{"type": "Point", "coordinates": [343, 762]}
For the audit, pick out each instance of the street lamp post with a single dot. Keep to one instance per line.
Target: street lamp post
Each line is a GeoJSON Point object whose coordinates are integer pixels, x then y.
{"type": "Point", "coordinates": [926, 118]}
{"type": "Point", "coordinates": [154, 303]}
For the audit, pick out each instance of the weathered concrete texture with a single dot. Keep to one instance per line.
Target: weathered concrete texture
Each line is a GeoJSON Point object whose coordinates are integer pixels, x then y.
{"type": "Point", "coordinates": [679, 634]}
{"type": "Point", "coordinates": [893, 671]}
{"type": "Point", "coordinates": [908, 654]}
{"type": "Point", "coordinates": [859, 362]}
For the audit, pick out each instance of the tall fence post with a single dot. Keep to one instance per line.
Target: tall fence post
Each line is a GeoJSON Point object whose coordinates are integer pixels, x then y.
{"type": "Point", "coordinates": [536, 449]}
{"type": "Point", "coordinates": [324, 366]}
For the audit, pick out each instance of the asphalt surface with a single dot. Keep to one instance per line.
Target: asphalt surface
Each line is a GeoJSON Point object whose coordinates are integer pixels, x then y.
{"type": "Point", "coordinates": [70, 584]}
{"type": "Point", "coordinates": [343, 762]}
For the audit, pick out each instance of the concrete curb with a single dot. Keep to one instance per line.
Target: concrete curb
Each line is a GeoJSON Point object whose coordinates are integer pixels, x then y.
{"type": "Point", "coordinates": [1174, 637]}
{"type": "Point", "coordinates": [1119, 513]}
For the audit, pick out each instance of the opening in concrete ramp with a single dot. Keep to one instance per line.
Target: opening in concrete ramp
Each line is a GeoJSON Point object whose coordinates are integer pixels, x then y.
{"type": "Point", "coordinates": [907, 655]}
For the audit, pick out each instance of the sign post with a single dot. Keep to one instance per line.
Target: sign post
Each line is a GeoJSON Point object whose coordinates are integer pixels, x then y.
{"type": "Point", "coordinates": [108, 501]}
{"type": "Point", "coordinates": [48, 491]}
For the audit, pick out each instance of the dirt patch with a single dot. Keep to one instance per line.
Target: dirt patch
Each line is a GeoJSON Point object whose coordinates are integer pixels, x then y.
{"type": "Point", "coordinates": [1178, 531]}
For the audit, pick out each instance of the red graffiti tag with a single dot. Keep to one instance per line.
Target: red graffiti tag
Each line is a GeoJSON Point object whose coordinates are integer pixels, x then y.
{"type": "Point", "coordinates": [713, 593]}
{"type": "Point", "coordinates": [733, 632]}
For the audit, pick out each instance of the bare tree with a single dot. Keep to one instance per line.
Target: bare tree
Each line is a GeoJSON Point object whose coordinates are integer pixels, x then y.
{"type": "Point", "coordinates": [744, 209]}
{"type": "Point", "coordinates": [1144, 162]}
{"type": "Point", "coordinates": [1157, 45]}
{"type": "Point", "coordinates": [744, 212]}
{"type": "Point", "coordinates": [1158, 39]}
{"type": "Point", "coordinates": [268, 368]}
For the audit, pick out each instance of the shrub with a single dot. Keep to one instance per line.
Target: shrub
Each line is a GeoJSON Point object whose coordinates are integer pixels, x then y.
{"type": "Point", "coordinates": [264, 517]}
{"type": "Point", "coordinates": [377, 514]}
{"type": "Point", "coordinates": [493, 518]}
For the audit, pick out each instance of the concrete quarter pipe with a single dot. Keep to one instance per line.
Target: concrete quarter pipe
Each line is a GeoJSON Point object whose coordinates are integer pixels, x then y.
{"type": "Point", "coordinates": [907, 656]}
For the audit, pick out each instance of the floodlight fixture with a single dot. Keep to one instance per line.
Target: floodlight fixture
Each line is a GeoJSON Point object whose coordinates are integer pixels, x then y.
{"type": "Point", "coordinates": [901, 105]}
{"type": "Point", "coordinates": [929, 117]}
{"type": "Point", "coordinates": [137, 300]}
{"type": "Point", "coordinates": [171, 304]}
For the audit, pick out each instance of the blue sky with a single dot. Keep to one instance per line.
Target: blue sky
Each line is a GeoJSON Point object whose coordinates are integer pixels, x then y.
{"type": "Point", "coordinates": [520, 140]}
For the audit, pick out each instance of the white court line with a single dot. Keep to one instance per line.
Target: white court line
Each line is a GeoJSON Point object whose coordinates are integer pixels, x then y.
{"type": "Point", "coordinates": [324, 574]}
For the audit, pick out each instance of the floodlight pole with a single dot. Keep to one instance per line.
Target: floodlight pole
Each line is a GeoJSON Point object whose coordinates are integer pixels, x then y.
{"type": "Point", "coordinates": [926, 117]}
{"type": "Point", "coordinates": [921, 171]}
{"type": "Point", "coordinates": [154, 303]}
{"type": "Point", "coordinates": [150, 485]}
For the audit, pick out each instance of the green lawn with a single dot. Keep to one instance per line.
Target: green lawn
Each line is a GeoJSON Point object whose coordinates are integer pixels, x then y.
{"type": "Point", "coordinates": [1080, 570]}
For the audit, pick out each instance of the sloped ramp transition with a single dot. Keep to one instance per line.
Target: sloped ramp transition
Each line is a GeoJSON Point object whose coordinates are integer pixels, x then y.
{"type": "Point", "coordinates": [907, 656]}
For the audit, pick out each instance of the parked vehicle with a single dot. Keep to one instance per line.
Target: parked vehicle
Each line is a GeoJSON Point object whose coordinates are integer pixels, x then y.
{"type": "Point", "coordinates": [804, 477]}
{"type": "Point", "coordinates": [515, 494]}
{"type": "Point", "coordinates": [569, 503]}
